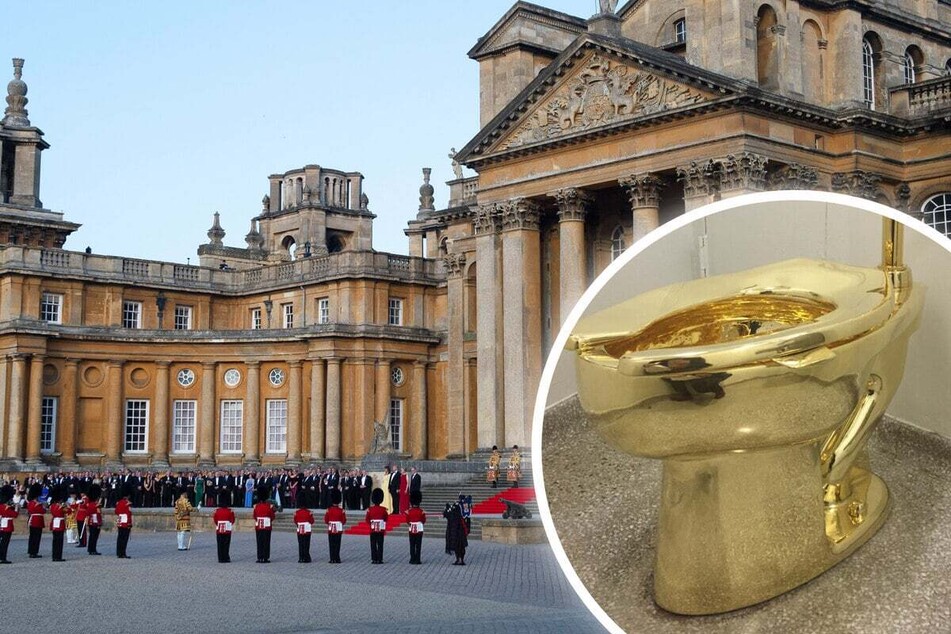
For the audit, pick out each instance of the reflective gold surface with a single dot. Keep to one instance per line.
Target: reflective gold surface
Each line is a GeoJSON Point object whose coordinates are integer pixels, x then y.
{"type": "Point", "coordinates": [758, 391]}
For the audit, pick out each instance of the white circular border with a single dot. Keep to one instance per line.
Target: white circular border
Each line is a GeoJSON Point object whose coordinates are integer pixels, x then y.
{"type": "Point", "coordinates": [633, 251]}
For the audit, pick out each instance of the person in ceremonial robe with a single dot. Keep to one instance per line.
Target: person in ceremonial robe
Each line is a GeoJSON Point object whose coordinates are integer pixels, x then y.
{"type": "Point", "coordinates": [515, 467]}
{"type": "Point", "coordinates": [417, 520]}
{"type": "Point", "coordinates": [72, 526]}
{"type": "Point", "coordinates": [37, 516]}
{"type": "Point", "coordinates": [492, 471]}
{"type": "Point", "coordinates": [457, 532]}
{"type": "Point", "coordinates": [8, 513]}
{"type": "Point", "coordinates": [263, 519]}
{"type": "Point", "coordinates": [58, 511]}
{"type": "Point", "coordinates": [223, 518]}
{"type": "Point", "coordinates": [376, 518]}
{"type": "Point", "coordinates": [124, 521]}
{"type": "Point", "coordinates": [183, 519]}
{"type": "Point", "coordinates": [335, 518]}
{"type": "Point", "coordinates": [305, 528]}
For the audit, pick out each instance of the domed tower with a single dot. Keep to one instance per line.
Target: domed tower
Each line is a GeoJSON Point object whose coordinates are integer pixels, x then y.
{"type": "Point", "coordinates": [23, 221]}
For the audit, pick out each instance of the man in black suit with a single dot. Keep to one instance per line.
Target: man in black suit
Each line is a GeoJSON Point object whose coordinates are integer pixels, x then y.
{"type": "Point", "coordinates": [415, 482]}
{"type": "Point", "coordinates": [366, 486]}
{"type": "Point", "coordinates": [394, 487]}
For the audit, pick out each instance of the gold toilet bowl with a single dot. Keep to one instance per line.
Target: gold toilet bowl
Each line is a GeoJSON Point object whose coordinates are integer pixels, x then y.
{"type": "Point", "coordinates": [758, 391]}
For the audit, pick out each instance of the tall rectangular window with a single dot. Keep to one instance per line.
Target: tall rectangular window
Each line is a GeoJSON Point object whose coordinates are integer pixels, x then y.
{"type": "Point", "coordinates": [255, 319]}
{"type": "Point", "coordinates": [232, 424]}
{"type": "Point", "coordinates": [395, 317]}
{"type": "Point", "coordinates": [288, 311]}
{"type": "Point", "coordinates": [48, 412]}
{"type": "Point", "coordinates": [276, 426]}
{"type": "Point", "coordinates": [396, 423]}
{"type": "Point", "coordinates": [680, 31]}
{"type": "Point", "coordinates": [136, 426]}
{"type": "Point", "coordinates": [323, 310]}
{"type": "Point", "coordinates": [51, 308]}
{"type": "Point", "coordinates": [131, 314]}
{"type": "Point", "coordinates": [183, 318]}
{"type": "Point", "coordinates": [183, 426]}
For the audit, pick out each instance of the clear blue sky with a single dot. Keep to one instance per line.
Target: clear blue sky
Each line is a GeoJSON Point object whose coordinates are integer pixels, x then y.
{"type": "Point", "coordinates": [161, 113]}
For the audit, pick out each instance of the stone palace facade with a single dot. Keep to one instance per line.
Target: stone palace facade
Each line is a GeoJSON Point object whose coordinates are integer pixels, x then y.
{"type": "Point", "coordinates": [306, 345]}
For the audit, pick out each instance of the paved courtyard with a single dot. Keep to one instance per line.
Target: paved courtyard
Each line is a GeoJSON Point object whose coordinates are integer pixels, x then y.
{"type": "Point", "coordinates": [501, 589]}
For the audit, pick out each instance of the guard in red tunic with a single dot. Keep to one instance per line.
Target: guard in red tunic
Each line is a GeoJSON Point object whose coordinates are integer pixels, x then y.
{"type": "Point", "coordinates": [335, 519]}
{"type": "Point", "coordinates": [417, 519]}
{"type": "Point", "coordinates": [376, 517]}
{"type": "Point", "coordinates": [263, 519]}
{"type": "Point", "coordinates": [305, 527]}
{"type": "Point", "coordinates": [123, 522]}
{"type": "Point", "coordinates": [37, 514]}
{"type": "Point", "coordinates": [93, 519]}
{"type": "Point", "coordinates": [224, 524]}
{"type": "Point", "coordinates": [81, 515]}
{"type": "Point", "coordinates": [8, 513]}
{"type": "Point", "coordinates": [58, 512]}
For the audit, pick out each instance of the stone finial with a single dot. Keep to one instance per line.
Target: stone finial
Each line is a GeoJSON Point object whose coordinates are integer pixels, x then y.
{"type": "Point", "coordinates": [364, 202]}
{"type": "Point", "coordinates": [254, 238]}
{"type": "Point", "coordinates": [16, 113]}
{"type": "Point", "coordinates": [456, 167]}
{"type": "Point", "coordinates": [426, 190]}
{"type": "Point", "coordinates": [607, 6]}
{"type": "Point", "coordinates": [216, 234]}
{"type": "Point", "coordinates": [266, 203]}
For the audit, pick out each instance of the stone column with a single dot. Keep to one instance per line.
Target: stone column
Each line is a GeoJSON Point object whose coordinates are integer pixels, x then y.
{"type": "Point", "coordinates": [521, 316]}
{"type": "Point", "coordinates": [318, 397]}
{"type": "Point", "coordinates": [113, 426]}
{"type": "Point", "coordinates": [700, 183]}
{"type": "Point", "coordinates": [206, 426]}
{"type": "Point", "coordinates": [420, 414]}
{"type": "Point", "coordinates": [34, 410]}
{"type": "Point", "coordinates": [381, 410]}
{"type": "Point", "coordinates": [26, 175]}
{"type": "Point", "coordinates": [252, 409]}
{"type": "Point", "coordinates": [4, 394]}
{"type": "Point", "coordinates": [742, 174]}
{"type": "Point", "coordinates": [573, 204]}
{"type": "Point", "coordinates": [160, 415]}
{"type": "Point", "coordinates": [293, 413]}
{"type": "Point", "coordinates": [68, 413]}
{"type": "Point", "coordinates": [491, 423]}
{"type": "Point", "coordinates": [455, 377]}
{"type": "Point", "coordinates": [332, 433]}
{"type": "Point", "coordinates": [643, 190]}
{"type": "Point", "coordinates": [17, 426]}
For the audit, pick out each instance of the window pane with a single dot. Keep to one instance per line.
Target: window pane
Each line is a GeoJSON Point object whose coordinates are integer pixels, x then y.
{"type": "Point", "coordinates": [183, 317]}
{"type": "Point", "coordinates": [131, 314]}
{"type": "Point", "coordinates": [183, 426]}
{"type": "Point", "coordinates": [232, 417]}
{"type": "Point", "coordinates": [937, 213]}
{"type": "Point", "coordinates": [48, 424]}
{"type": "Point", "coordinates": [276, 426]}
{"type": "Point", "coordinates": [136, 425]}
{"type": "Point", "coordinates": [396, 312]}
{"type": "Point", "coordinates": [396, 423]}
{"type": "Point", "coordinates": [51, 308]}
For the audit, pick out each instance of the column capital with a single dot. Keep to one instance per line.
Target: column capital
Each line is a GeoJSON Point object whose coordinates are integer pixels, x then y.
{"type": "Point", "coordinates": [115, 363]}
{"type": "Point", "coordinates": [794, 176]}
{"type": "Point", "coordinates": [858, 183]}
{"type": "Point", "coordinates": [572, 202]}
{"type": "Point", "coordinates": [743, 171]}
{"type": "Point", "coordinates": [252, 364]}
{"type": "Point", "coordinates": [455, 264]}
{"type": "Point", "coordinates": [296, 363]}
{"type": "Point", "coordinates": [382, 362]}
{"type": "Point", "coordinates": [38, 358]}
{"type": "Point", "coordinates": [209, 365]}
{"type": "Point", "coordinates": [71, 362]}
{"type": "Point", "coordinates": [520, 214]}
{"type": "Point", "coordinates": [699, 179]}
{"type": "Point", "coordinates": [486, 221]}
{"type": "Point", "coordinates": [643, 190]}
{"type": "Point", "coordinates": [335, 360]}
{"type": "Point", "coordinates": [163, 363]}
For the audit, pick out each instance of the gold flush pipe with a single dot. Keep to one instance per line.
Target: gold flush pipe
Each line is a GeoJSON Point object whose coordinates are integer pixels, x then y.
{"type": "Point", "coordinates": [893, 258]}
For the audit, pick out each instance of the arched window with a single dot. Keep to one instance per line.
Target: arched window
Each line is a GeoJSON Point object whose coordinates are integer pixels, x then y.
{"type": "Point", "coordinates": [767, 54]}
{"type": "Point", "coordinates": [937, 213]}
{"type": "Point", "coordinates": [680, 31]}
{"type": "Point", "coordinates": [813, 75]}
{"type": "Point", "coordinates": [290, 246]}
{"type": "Point", "coordinates": [617, 243]}
{"type": "Point", "coordinates": [908, 67]}
{"type": "Point", "coordinates": [868, 73]}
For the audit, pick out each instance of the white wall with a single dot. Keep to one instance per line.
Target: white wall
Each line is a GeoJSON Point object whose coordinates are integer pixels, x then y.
{"type": "Point", "coordinates": [763, 233]}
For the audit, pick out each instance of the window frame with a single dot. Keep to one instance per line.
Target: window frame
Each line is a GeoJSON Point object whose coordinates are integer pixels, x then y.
{"type": "Point", "coordinates": [618, 242]}
{"type": "Point", "coordinates": [49, 414]}
{"type": "Point", "coordinates": [275, 426]}
{"type": "Point", "coordinates": [394, 313]}
{"type": "Point", "coordinates": [127, 422]}
{"type": "Point", "coordinates": [868, 74]}
{"type": "Point", "coordinates": [323, 310]}
{"type": "Point", "coordinates": [127, 311]}
{"type": "Point", "coordinates": [943, 224]}
{"type": "Point", "coordinates": [256, 321]}
{"type": "Point", "coordinates": [188, 317]}
{"type": "Point", "coordinates": [287, 315]}
{"type": "Point", "coordinates": [180, 426]}
{"type": "Point", "coordinates": [396, 414]}
{"type": "Point", "coordinates": [45, 298]}
{"type": "Point", "coordinates": [680, 31]}
{"type": "Point", "coordinates": [227, 434]}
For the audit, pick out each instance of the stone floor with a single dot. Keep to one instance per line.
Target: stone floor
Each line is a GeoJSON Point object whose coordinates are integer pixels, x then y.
{"type": "Point", "coordinates": [501, 589]}
{"type": "Point", "coordinates": [900, 581]}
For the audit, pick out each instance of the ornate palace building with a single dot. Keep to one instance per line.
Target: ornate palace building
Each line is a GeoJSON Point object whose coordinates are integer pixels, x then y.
{"type": "Point", "coordinates": [594, 131]}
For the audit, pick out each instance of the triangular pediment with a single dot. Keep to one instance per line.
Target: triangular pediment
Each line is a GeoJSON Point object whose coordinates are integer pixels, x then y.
{"type": "Point", "coordinates": [599, 91]}
{"type": "Point", "coordinates": [532, 27]}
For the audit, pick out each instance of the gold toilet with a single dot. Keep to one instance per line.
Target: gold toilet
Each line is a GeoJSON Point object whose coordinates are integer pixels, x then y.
{"type": "Point", "coordinates": [758, 391]}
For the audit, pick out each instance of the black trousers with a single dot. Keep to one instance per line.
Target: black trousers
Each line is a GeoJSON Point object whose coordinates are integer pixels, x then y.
{"type": "Point", "coordinates": [334, 540]}
{"type": "Point", "coordinates": [4, 544]}
{"type": "Point", "coordinates": [93, 537]}
{"type": "Point", "coordinates": [58, 538]}
{"type": "Point", "coordinates": [415, 547]}
{"type": "Point", "coordinates": [224, 547]}
{"type": "Point", "coordinates": [376, 547]}
{"type": "Point", "coordinates": [122, 540]}
{"type": "Point", "coordinates": [263, 539]}
{"type": "Point", "coordinates": [33, 546]}
{"type": "Point", "coordinates": [303, 547]}
{"type": "Point", "coordinates": [396, 503]}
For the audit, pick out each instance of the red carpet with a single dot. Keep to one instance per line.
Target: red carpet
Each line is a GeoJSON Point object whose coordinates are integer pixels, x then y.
{"type": "Point", "coordinates": [495, 506]}
{"type": "Point", "coordinates": [363, 528]}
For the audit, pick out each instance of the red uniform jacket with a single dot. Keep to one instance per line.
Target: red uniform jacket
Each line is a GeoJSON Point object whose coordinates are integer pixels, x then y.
{"type": "Point", "coordinates": [223, 515]}
{"type": "Point", "coordinates": [416, 514]}
{"type": "Point", "coordinates": [376, 512]}
{"type": "Point", "coordinates": [335, 514]}
{"type": "Point", "coordinates": [58, 511]}
{"type": "Point", "coordinates": [304, 516]}
{"type": "Point", "coordinates": [36, 511]}
{"type": "Point", "coordinates": [81, 511]}
{"type": "Point", "coordinates": [93, 514]}
{"type": "Point", "coordinates": [124, 508]}
{"type": "Point", "coordinates": [8, 513]}
{"type": "Point", "coordinates": [262, 510]}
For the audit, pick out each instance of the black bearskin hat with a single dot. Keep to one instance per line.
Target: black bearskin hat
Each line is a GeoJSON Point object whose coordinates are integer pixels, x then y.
{"type": "Point", "coordinates": [6, 493]}
{"type": "Point", "coordinates": [126, 490]}
{"type": "Point", "coordinates": [415, 498]}
{"type": "Point", "coordinates": [377, 496]}
{"type": "Point", "coordinates": [34, 491]}
{"type": "Point", "coordinates": [94, 492]}
{"type": "Point", "coordinates": [57, 494]}
{"type": "Point", "coordinates": [335, 496]}
{"type": "Point", "coordinates": [264, 493]}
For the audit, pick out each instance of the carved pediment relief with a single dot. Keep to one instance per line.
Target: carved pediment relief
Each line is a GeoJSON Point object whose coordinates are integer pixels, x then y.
{"type": "Point", "coordinates": [602, 91]}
